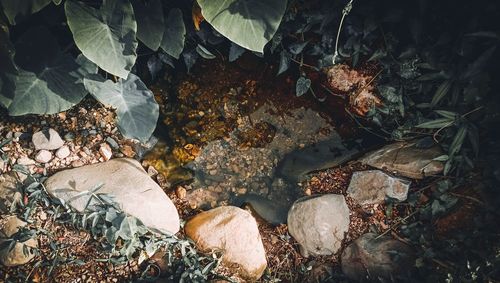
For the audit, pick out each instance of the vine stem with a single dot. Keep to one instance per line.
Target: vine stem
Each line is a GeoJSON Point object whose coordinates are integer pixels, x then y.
{"type": "Point", "coordinates": [345, 12]}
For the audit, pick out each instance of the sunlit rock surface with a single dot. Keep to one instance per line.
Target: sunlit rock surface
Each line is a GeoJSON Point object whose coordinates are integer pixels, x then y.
{"type": "Point", "coordinates": [126, 181]}
{"type": "Point", "coordinates": [234, 232]}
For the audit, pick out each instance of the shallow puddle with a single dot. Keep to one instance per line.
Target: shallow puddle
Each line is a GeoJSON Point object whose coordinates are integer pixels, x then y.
{"type": "Point", "coordinates": [227, 142]}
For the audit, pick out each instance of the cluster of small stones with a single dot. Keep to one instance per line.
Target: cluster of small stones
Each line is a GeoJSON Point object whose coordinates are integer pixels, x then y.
{"type": "Point", "coordinates": [61, 141]}
{"type": "Point", "coordinates": [225, 165]}
{"type": "Point", "coordinates": [317, 223]}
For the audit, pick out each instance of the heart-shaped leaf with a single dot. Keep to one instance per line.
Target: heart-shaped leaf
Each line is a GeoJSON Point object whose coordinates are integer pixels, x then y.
{"type": "Point", "coordinates": [136, 109]}
{"type": "Point", "coordinates": [106, 36]}
{"type": "Point", "coordinates": [248, 23]}
{"type": "Point", "coordinates": [48, 81]}
{"type": "Point", "coordinates": [173, 38]}
{"type": "Point", "coordinates": [302, 86]}
{"type": "Point", "coordinates": [150, 22]}
{"type": "Point", "coordinates": [17, 10]}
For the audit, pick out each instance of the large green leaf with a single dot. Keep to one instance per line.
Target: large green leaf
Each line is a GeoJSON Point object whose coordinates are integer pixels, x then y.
{"type": "Point", "coordinates": [17, 10]}
{"type": "Point", "coordinates": [7, 87]}
{"type": "Point", "coordinates": [6, 50]}
{"type": "Point", "coordinates": [7, 67]}
{"type": "Point", "coordinates": [48, 81]}
{"type": "Point", "coordinates": [106, 36]}
{"type": "Point", "coordinates": [173, 38]}
{"type": "Point", "coordinates": [150, 22]}
{"type": "Point", "coordinates": [136, 109]}
{"type": "Point", "coordinates": [248, 23]}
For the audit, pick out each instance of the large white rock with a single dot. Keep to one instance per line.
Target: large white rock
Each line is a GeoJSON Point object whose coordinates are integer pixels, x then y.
{"type": "Point", "coordinates": [318, 223]}
{"type": "Point", "coordinates": [124, 179]}
{"type": "Point", "coordinates": [233, 231]}
{"type": "Point", "coordinates": [22, 252]}
{"type": "Point", "coordinates": [47, 139]}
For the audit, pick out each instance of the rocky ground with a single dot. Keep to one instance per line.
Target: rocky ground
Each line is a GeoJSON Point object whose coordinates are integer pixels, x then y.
{"type": "Point", "coordinates": [237, 199]}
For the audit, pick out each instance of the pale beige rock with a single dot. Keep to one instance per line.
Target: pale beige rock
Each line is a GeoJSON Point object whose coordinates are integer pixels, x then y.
{"type": "Point", "coordinates": [43, 156]}
{"type": "Point", "coordinates": [47, 139]}
{"type": "Point", "coordinates": [63, 152]}
{"type": "Point", "coordinates": [406, 159]}
{"type": "Point", "coordinates": [373, 186]}
{"type": "Point", "coordinates": [318, 223]}
{"type": "Point", "coordinates": [22, 252]}
{"type": "Point", "coordinates": [233, 231]}
{"type": "Point", "coordinates": [124, 179]}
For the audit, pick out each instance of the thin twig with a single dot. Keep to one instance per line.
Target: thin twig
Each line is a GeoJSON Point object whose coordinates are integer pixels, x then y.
{"type": "Point", "coordinates": [304, 64]}
{"type": "Point", "coordinates": [397, 224]}
{"type": "Point", "coordinates": [467, 197]}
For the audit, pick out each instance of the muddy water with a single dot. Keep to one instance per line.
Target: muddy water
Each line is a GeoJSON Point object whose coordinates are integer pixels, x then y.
{"type": "Point", "coordinates": [231, 137]}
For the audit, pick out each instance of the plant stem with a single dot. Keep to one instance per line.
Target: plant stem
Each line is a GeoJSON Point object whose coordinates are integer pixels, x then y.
{"type": "Point", "coordinates": [345, 12]}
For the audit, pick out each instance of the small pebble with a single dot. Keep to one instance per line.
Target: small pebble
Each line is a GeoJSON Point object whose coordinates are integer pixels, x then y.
{"type": "Point", "coordinates": [180, 191]}
{"type": "Point", "coordinates": [152, 171]}
{"type": "Point", "coordinates": [43, 156]}
{"type": "Point", "coordinates": [77, 163]}
{"type": "Point", "coordinates": [63, 152]}
{"type": "Point", "coordinates": [105, 151]}
{"type": "Point", "coordinates": [69, 136]}
{"type": "Point", "coordinates": [114, 145]}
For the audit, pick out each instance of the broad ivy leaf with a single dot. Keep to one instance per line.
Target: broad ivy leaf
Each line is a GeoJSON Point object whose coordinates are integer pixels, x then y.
{"type": "Point", "coordinates": [136, 108]}
{"type": "Point", "coordinates": [106, 36]}
{"type": "Point", "coordinates": [17, 10]}
{"type": "Point", "coordinates": [302, 86]}
{"type": "Point", "coordinates": [248, 23]}
{"type": "Point", "coordinates": [48, 81]}
{"type": "Point", "coordinates": [173, 38]}
{"type": "Point", "coordinates": [150, 22]}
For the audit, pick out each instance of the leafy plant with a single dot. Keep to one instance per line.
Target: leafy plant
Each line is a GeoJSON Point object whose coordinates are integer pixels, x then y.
{"type": "Point", "coordinates": [48, 80]}
{"type": "Point", "coordinates": [124, 236]}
